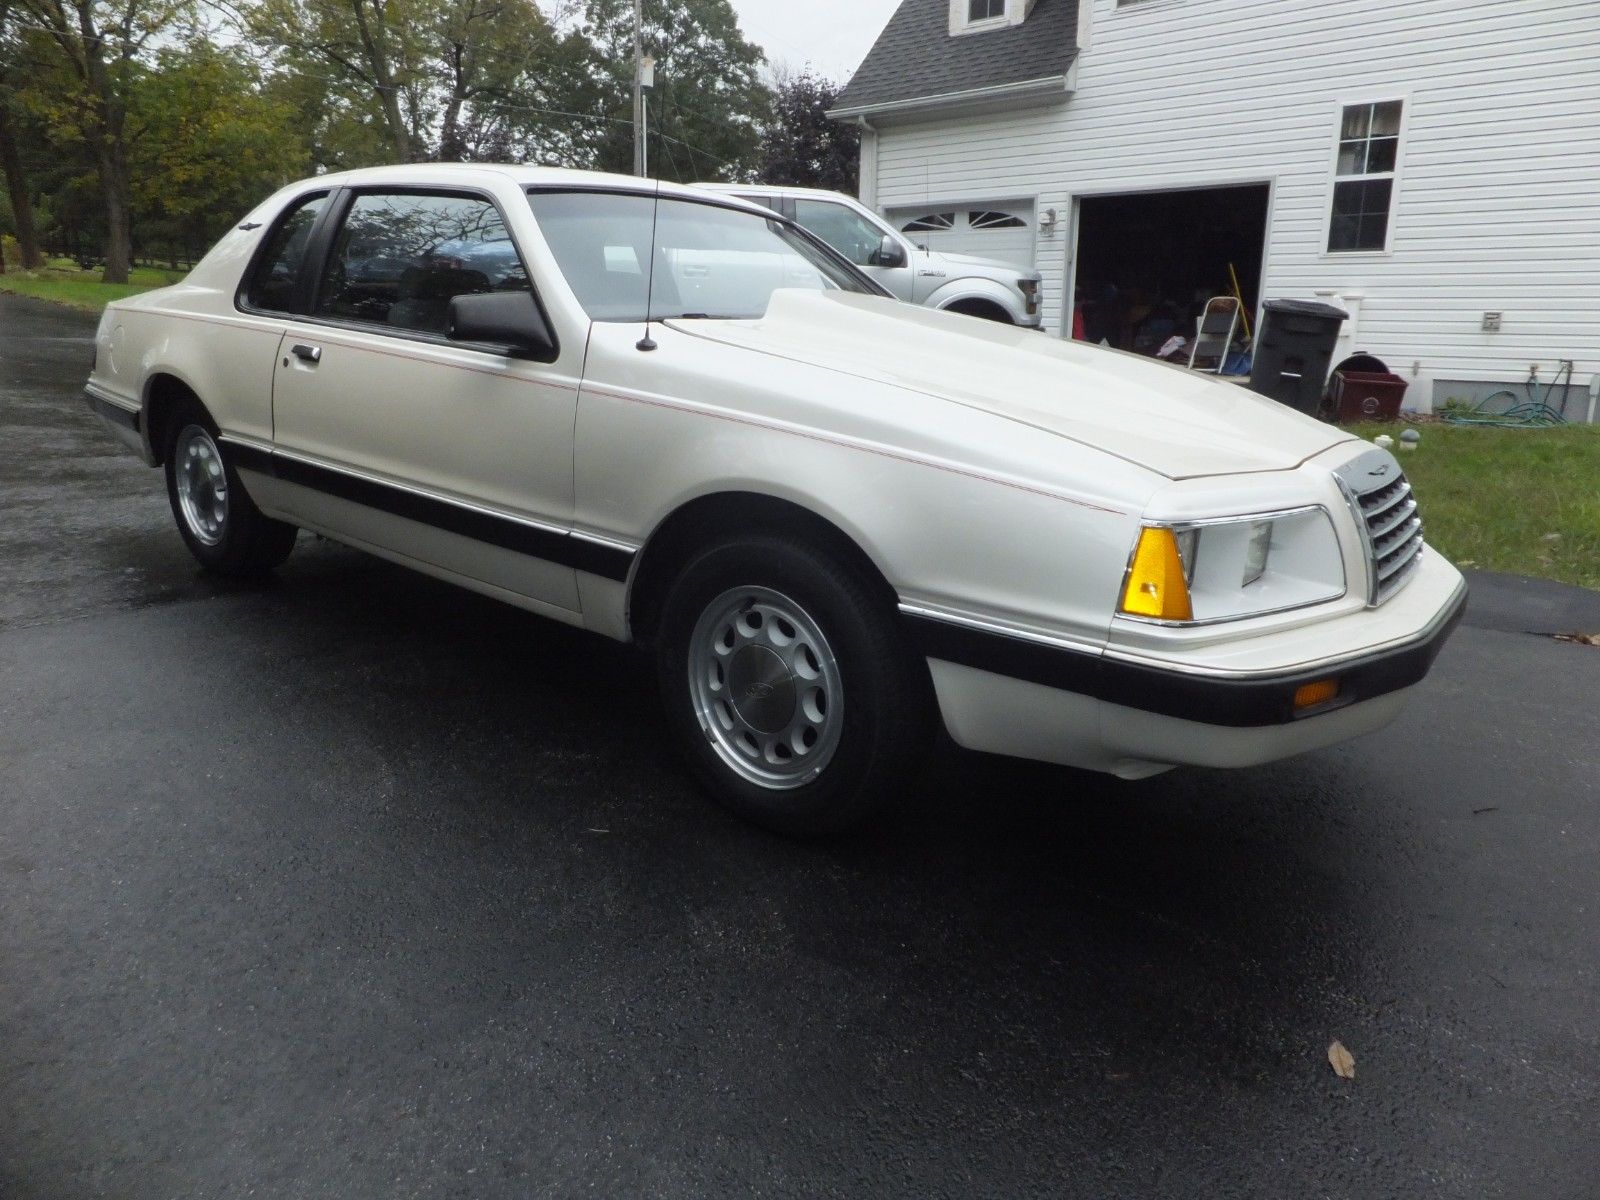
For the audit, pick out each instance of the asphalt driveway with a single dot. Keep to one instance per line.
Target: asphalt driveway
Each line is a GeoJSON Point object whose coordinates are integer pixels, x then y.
{"type": "Point", "coordinates": [356, 885]}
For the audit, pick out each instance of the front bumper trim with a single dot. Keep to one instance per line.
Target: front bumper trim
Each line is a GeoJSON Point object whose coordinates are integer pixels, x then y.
{"type": "Point", "coordinates": [1210, 699]}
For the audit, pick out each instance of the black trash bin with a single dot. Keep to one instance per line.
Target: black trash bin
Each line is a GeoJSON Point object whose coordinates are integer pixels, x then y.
{"type": "Point", "coordinates": [1292, 351]}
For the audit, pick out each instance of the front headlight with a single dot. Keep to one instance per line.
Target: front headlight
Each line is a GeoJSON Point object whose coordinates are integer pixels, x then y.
{"type": "Point", "coordinates": [1196, 572]}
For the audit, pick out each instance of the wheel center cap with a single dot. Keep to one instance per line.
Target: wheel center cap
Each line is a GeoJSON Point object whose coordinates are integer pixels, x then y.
{"type": "Point", "coordinates": [762, 689]}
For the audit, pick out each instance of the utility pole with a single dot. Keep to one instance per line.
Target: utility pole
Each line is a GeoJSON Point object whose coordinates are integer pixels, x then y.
{"type": "Point", "coordinates": [638, 89]}
{"type": "Point", "coordinates": [647, 80]}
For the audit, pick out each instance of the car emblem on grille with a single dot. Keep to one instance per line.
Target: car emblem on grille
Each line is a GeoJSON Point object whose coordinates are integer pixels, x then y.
{"type": "Point", "coordinates": [1379, 471]}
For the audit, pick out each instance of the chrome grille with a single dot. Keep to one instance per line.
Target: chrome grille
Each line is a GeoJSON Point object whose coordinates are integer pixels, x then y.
{"type": "Point", "coordinates": [1390, 527]}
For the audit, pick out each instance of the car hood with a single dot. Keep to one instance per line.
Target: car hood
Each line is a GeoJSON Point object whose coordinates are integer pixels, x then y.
{"type": "Point", "coordinates": [1175, 422]}
{"type": "Point", "coordinates": [990, 266]}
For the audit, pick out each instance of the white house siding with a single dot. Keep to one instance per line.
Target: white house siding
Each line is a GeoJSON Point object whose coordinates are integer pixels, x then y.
{"type": "Point", "coordinates": [1497, 202]}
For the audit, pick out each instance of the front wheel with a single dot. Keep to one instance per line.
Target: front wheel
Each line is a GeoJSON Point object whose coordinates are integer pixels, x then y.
{"type": "Point", "coordinates": [791, 686]}
{"type": "Point", "coordinates": [224, 530]}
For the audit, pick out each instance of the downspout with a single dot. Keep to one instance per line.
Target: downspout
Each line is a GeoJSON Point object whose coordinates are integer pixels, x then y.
{"type": "Point", "coordinates": [867, 184]}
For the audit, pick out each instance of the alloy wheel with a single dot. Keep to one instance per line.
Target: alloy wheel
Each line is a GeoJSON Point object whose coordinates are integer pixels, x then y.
{"type": "Point", "coordinates": [202, 485]}
{"type": "Point", "coordinates": [766, 687]}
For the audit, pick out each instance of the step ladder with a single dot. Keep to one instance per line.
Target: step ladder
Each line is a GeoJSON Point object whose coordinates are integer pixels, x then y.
{"type": "Point", "coordinates": [1213, 336]}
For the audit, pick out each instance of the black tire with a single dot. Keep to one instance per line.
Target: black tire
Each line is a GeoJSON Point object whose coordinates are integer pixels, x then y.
{"type": "Point", "coordinates": [241, 542]}
{"type": "Point", "coordinates": [983, 311]}
{"type": "Point", "coordinates": [881, 710]}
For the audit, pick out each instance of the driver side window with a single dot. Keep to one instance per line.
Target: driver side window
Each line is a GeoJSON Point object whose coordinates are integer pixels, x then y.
{"type": "Point", "coordinates": [400, 258]}
{"type": "Point", "coordinates": [846, 230]}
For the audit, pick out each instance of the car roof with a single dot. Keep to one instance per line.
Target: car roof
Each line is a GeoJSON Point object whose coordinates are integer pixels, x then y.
{"type": "Point", "coordinates": [523, 175]}
{"type": "Point", "coordinates": [742, 189]}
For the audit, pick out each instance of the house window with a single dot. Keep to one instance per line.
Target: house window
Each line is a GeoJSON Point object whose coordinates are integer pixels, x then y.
{"type": "Point", "coordinates": [994, 220]}
{"type": "Point", "coordinates": [981, 16]}
{"type": "Point", "coordinates": [932, 223]}
{"type": "Point", "coordinates": [1363, 190]}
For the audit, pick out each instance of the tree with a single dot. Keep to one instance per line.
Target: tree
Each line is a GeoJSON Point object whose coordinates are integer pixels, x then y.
{"type": "Point", "coordinates": [709, 104]}
{"type": "Point", "coordinates": [432, 71]}
{"type": "Point", "coordinates": [210, 143]}
{"type": "Point", "coordinates": [340, 127]}
{"type": "Point", "coordinates": [802, 147]}
{"type": "Point", "coordinates": [367, 43]}
{"type": "Point", "coordinates": [99, 43]}
{"type": "Point", "coordinates": [488, 49]}
{"type": "Point", "coordinates": [20, 202]}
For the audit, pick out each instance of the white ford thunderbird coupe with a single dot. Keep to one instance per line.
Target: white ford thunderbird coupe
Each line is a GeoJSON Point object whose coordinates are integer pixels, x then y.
{"type": "Point", "coordinates": [671, 417]}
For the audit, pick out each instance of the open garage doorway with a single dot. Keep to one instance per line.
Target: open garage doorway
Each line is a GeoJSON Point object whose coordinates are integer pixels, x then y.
{"type": "Point", "coordinates": [1146, 262]}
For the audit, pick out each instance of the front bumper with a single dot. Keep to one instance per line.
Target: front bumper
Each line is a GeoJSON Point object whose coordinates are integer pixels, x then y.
{"type": "Point", "coordinates": [1011, 695]}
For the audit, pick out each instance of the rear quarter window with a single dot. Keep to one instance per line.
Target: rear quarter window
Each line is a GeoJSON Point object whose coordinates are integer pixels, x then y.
{"type": "Point", "coordinates": [274, 282]}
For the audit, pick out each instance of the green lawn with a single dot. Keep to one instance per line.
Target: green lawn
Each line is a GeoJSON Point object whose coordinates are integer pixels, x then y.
{"type": "Point", "coordinates": [63, 283]}
{"type": "Point", "coordinates": [1524, 501]}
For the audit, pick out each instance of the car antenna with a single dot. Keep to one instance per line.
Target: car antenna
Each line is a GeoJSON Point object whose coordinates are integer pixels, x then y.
{"type": "Point", "coordinates": [647, 342]}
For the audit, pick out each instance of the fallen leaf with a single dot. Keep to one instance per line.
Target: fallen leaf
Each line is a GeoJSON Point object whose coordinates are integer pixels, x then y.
{"type": "Point", "coordinates": [1466, 562]}
{"type": "Point", "coordinates": [1552, 537]}
{"type": "Point", "coordinates": [1341, 1060]}
{"type": "Point", "coordinates": [1582, 639]}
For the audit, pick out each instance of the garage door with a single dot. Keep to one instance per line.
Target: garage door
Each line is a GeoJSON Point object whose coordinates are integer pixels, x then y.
{"type": "Point", "coordinates": [1002, 230]}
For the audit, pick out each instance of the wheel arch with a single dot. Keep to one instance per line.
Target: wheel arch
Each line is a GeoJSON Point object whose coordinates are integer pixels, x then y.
{"type": "Point", "coordinates": [163, 392]}
{"type": "Point", "coordinates": [978, 306]}
{"type": "Point", "coordinates": [976, 296]}
{"type": "Point", "coordinates": [714, 516]}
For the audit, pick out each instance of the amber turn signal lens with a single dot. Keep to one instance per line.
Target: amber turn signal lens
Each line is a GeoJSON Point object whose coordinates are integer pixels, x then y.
{"type": "Point", "coordinates": [1156, 586]}
{"type": "Point", "coordinates": [1309, 695]}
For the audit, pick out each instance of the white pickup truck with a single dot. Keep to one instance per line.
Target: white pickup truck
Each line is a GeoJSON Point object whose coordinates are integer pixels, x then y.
{"type": "Point", "coordinates": [963, 283]}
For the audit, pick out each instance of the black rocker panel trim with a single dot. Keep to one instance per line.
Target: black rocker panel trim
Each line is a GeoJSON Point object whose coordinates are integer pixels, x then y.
{"type": "Point", "coordinates": [551, 545]}
{"type": "Point", "coordinates": [113, 412]}
{"type": "Point", "coordinates": [1208, 699]}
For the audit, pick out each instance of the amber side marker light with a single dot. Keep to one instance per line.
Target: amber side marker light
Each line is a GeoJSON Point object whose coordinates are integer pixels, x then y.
{"type": "Point", "coordinates": [1156, 585]}
{"type": "Point", "coordinates": [1309, 695]}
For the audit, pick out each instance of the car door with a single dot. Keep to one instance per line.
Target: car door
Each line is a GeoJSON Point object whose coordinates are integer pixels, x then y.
{"type": "Point", "coordinates": [447, 455]}
{"type": "Point", "coordinates": [856, 237]}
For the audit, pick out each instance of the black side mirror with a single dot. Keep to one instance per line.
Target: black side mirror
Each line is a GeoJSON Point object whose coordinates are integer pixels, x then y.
{"type": "Point", "coordinates": [890, 253]}
{"type": "Point", "coordinates": [510, 320]}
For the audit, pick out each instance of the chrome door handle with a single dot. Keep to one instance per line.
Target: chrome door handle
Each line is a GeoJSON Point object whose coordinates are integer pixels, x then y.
{"type": "Point", "coordinates": [310, 354]}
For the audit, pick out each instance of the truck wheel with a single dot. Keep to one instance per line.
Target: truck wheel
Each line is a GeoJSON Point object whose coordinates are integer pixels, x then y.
{"type": "Point", "coordinates": [790, 685]}
{"type": "Point", "coordinates": [982, 309]}
{"type": "Point", "coordinates": [223, 529]}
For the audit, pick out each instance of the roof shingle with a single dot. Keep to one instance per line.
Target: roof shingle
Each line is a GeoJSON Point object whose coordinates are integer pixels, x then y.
{"type": "Point", "coordinates": [915, 56]}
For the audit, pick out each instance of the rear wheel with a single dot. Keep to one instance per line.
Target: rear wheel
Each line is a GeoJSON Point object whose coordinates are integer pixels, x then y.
{"type": "Point", "coordinates": [223, 529]}
{"type": "Point", "coordinates": [790, 685]}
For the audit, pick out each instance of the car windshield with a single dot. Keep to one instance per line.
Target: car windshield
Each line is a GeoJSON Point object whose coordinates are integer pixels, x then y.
{"type": "Point", "coordinates": [710, 261]}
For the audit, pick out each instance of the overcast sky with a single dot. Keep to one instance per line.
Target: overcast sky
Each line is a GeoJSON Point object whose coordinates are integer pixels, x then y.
{"type": "Point", "coordinates": [832, 35]}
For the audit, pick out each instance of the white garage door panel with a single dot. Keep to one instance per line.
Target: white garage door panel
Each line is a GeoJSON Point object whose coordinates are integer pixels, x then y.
{"type": "Point", "coordinates": [1000, 229]}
